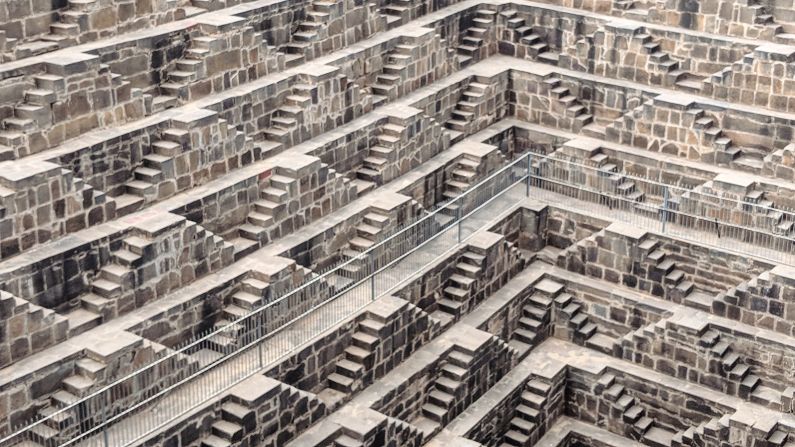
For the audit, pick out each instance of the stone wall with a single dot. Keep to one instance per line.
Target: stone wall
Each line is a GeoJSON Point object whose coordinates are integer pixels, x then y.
{"type": "Point", "coordinates": [614, 398]}
{"type": "Point", "coordinates": [48, 103]}
{"type": "Point", "coordinates": [657, 265]}
{"type": "Point", "coordinates": [727, 17]}
{"type": "Point", "coordinates": [81, 371]}
{"type": "Point", "coordinates": [39, 202]}
{"type": "Point", "coordinates": [221, 52]}
{"type": "Point", "coordinates": [458, 283]}
{"type": "Point", "coordinates": [26, 329]}
{"type": "Point", "coordinates": [259, 411]}
{"type": "Point", "coordinates": [33, 28]}
{"type": "Point", "coordinates": [763, 301]}
{"type": "Point", "coordinates": [463, 369]}
{"type": "Point", "coordinates": [762, 78]}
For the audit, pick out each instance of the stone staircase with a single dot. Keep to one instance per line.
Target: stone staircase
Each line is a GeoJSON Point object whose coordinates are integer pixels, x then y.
{"type": "Point", "coordinates": [270, 209]}
{"type": "Point", "coordinates": [395, 71]}
{"type": "Point", "coordinates": [187, 70]}
{"type": "Point", "coordinates": [638, 425]}
{"type": "Point", "coordinates": [381, 156]}
{"type": "Point", "coordinates": [88, 376]}
{"type": "Point", "coordinates": [461, 178]}
{"type": "Point", "coordinates": [313, 29]}
{"type": "Point", "coordinates": [663, 270]}
{"type": "Point", "coordinates": [34, 113]}
{"type": "Point", "coordinates": [119, 275]}
{"type": "Point", "coordinates": [661, 62]}
{"type": "Point", "coordinates": [568, 105]}
{"type": "Point", "coordinates": [776, 220]}
{"type": "Point", "coordinates": [464, 113]}
{"type": "Point", "coordinates": [725, 151]}
{"type": "Point", "coordinates": [446, 390]}
{"type": "Point", "coordinates": [348, 376]}
{"type": "Point", "coordinates": [533, 325]}
{"type": "Point", "coordinates": [614, 181]}
{"type": "Point", "coordinates": [285, 118]}
{"type": "Point", "coordinates": [582, 330]}
{"type": "Point", "coordinates": [694, 436]}
{"type": "Point", "coordinates": [158, 166]}
{"type": "Point", "coordinates": [249, 297]}
{"type": "Point", "coordinates": [728, 364]}
{"type": "Point", "coordinates": [368, 233]}
{"type": "Point", "coordinates": [397, 12]}
{"type": "Point", "coordinates": [72, 21]}
{"type": "Point", "coordinates": [235, 421]}
{"type": "Point", "coordinates": [470, 49]}
{"type": "Point", "coordinates": [459, 288]}
{"type": "Point", "coordinates": [529, 414]}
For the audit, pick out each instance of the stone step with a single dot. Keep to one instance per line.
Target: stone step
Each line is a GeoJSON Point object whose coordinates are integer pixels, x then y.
{"type": "Point", "coordinates": [105, 288]}
{"type": "Point", "coordinates": [340, 383]}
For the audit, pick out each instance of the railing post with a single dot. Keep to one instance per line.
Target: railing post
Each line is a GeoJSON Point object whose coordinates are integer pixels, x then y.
{"type": "Point", "coordinates": [665, 208]}
{"type": "Point", "coordinates": [104, 420]}
{"type": "Point", "coordinates": [458, 217]}
{"type": "Point", "coordinates": [259, 340]}
{"type": "Point", "coordinates": [529, 172]}
{"type": "Point", "coordinates": [372, 275]}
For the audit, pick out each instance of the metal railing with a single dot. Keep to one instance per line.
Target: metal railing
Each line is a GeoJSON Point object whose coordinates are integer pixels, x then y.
{"type": "Point", "coordinates": [745, 225]}
{"type": "Point", "coordinates": [135, 406]}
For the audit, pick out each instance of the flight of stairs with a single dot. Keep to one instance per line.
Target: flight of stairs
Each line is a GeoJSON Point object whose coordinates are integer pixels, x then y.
{"type": "Point", "coordinates": [534, 323]}
{"type": "Point", "coordinates": [775, 220]}
{"type": "Point", "coordinates": [659, 60]}
{"type": "Point", "coordinates": [380, 157]}
{"type": "Point", "coordinates": [72, 21]}
{"type": "Point", "coordinates": [270, 209]}
{"type": "Point", "coordinates": [615, 182]}
{"type": "Point", "coordinates": [459, 288]}
{"type": "Point", "coordinates": [368, 233]}
{"type": "Point", "coordinates": [567, 104]}
{"type": "Point", "coordinates": [188, 69]}
{"type": "Point", "coordinates": [235, 421]}
{"type": "Point", "coordinates": [447, 389]}
{"type": "Point", "coordinates": [158, 166]}
{"type": "Point", "coordinates": [349, 372]}
{"type": "Point", "coordinates": [727, 363]}
{"type": "Point", "coordinates": [394, 72]}
{"type": "Point", "coordinates": [460, 123]}
{"type": "Point", "coordinates": [99, 304]}
{"type": "Point", "coordinates": [285, 119]}
{"type": "Point", "coordinates": [312, 29]}
{"type": "Point", "coordinates": [712, 135]}
{"type": "Point", "coordinates": [469, 51]}
{"type": "Point", "coordinates": [397, 12]}
{"type": "Point", "coordinates": [34, 114]}
{"type": "Point", "coordinates": [715, 428]}
{"type": "Point", "coordinates": [523, 33]}
{"type": "Point", "coordinates": [663, 270]}
{"type": "Point", "coordinates": [462, 177]}
{"type": "Point", "coordinates": [87, 373]}
{"type": "Point", "coordinates": [245, 300]}
{"type": "Point", "coordinates": [528, 414]}
{"type": "Point", "coordinates": [582, 330]}
{"type": "Point", "coordinates": [638, 425]}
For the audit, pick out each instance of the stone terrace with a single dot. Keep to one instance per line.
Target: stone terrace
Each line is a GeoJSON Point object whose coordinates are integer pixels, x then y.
{"type": "Point", "coordinates": [170, 170]}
